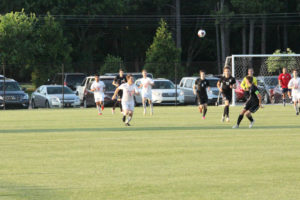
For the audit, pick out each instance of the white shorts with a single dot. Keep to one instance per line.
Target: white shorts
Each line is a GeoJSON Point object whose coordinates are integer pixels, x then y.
{"type": "Point", "coordinates": [99, 97]}
{"type": "Point", "coordinates": [147, 95]}
{"type": "Point", "coordinates": [295, 96]}
{"type": "Point", "coordinates": [128, 106]}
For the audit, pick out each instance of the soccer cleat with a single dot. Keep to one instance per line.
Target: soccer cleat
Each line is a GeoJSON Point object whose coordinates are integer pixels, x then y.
{"type": "Point", "coordinates": [227, 119]}
{"type": "Point", "coordinates": [236, 126]}
{"type": "Point", "coordinates": [203, 117]}
{"type": "Point", "coordinates": [251, 124]}
{"type": "Point", "coordinates": [99, 113]}
{"type": "Point", "coordinates": [124, 118]}
{"type": "Point", "coordinates": [127, 124]}
{"type": "Point", "coordinates": [297, 113]}
{"type": "Point", "coordinates": [102, 107]}
{"type": "Point", "coordinates": [223, 118]}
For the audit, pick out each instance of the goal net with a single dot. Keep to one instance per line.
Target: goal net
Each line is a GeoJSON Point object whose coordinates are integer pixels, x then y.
{"type": "Point", "coordinates": [266, 68]}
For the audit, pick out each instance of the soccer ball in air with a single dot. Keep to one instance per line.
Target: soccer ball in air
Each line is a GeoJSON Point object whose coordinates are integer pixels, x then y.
{"type": "Point", "coordinates": [201, 33]}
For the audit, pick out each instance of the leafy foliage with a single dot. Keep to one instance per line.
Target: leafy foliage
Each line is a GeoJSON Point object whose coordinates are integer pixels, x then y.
{"type": "Point", "coordinates": [276, 63]}
{"type": "Point", "coordinates": [111, 64]}
{"type": "Point", "coordinates": [162, 55]}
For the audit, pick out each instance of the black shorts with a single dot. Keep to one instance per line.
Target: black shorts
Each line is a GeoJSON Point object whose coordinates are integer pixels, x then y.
{"type": "Point", "coordinates": [202, 100]}
{"type": "Point", "coordinates": [120, 94]}
{"type": "Point", "coordinates": [251, 106]}
{"type": "Point", "coordinates": [285, 90]}
{"type": "Point", "coordinates": [227, 96]}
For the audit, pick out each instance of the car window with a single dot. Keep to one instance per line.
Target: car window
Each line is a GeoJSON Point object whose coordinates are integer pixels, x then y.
{"type": "Point", "coordinates": [58, 90]}
{"type": "Point", "coordinates": [163, 85]}
{"type": "Point", "coordinates": [108, 84]}
{"type": "Point", "coordinates": [43, 90]}
{"type": "Point", "coordinates": [10, 86]}
{"type": "Point", "coordinates": [83, 82]}
{"type": "Point", "coordinates": [138, 83]}
{"type": "Point", "coordinates": [188, 83]}
{"type": "Point", "coordinates": [75, 79]}
{"type": "Point", "coordinates": [181, 83]}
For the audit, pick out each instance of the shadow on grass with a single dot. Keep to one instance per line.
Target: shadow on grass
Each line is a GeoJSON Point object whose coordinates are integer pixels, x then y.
{"type": "Point", "coordinates": [141, 129]}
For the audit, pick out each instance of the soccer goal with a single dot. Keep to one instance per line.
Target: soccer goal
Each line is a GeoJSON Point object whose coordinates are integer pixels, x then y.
{"type": "Point", "coordinates": [266, 67]}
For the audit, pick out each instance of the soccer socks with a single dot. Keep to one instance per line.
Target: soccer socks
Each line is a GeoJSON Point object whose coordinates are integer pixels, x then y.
{"type": "Point", "coordinates": [99, 109]}
{"type": "Point", "coordinates": [144, 106]}
{"type": "Point", "coordinates": [240, 118]}
{"type": "Point", "coordinates": [250, 118]}
{"type": "Point", "coordinates": [151, 108]}
{"type": "Point", "coordinates": [204, 112]}
{"type": "Point", "coordinates": [226, 111]}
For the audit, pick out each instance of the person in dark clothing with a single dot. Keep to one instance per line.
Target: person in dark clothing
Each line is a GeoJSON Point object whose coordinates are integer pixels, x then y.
{"type": "Point", "coordinates": [119, 79]}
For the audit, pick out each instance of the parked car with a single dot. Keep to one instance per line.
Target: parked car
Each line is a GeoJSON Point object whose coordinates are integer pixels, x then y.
{"type": "Point", "coordinates": [1, 77]}
{"type": "Point", "coordinates": [268, 83]}
{"type": "Point", "coordinates": [70, 79]}
{"type": "Point", "coordinates": [50, 96]}
{"type": "Point", "coordinates": [276, 95]}
{"type": "Point", "coordinates": [186, 85]}
{"type": "Point", "coordinates": [14, 94]}
{"type": "Point", "coordinates": [136, 75]}
{"type": "Point", "coordinates": [87, 98]}
{"type": "Point", "coordinates": [163, 92]}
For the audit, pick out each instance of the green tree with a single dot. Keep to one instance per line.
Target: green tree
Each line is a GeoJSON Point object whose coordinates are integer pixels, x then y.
{"type": "Point", "coordinates": [16, 38]}
{"type": "Point", "coordinates": [162, 55]}
{"type": "Point", "coordinates": [277, 63]}
{"type": "Point", "coordinates": [51, 50]}
{"type": "Point", "coordinates": [111, 64]}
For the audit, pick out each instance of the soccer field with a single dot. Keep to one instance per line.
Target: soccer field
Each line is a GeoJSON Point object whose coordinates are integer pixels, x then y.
{"type": "Point", "coordinates": [76, 154]}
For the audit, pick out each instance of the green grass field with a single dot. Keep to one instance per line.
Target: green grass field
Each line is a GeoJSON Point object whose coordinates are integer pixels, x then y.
{"type": "Point", "coordinates": [76, 154]}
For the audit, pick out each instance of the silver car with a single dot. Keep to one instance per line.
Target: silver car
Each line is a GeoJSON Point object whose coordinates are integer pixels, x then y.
{"type": "Point", "coordinates": [50, 96]}
{"type": "Point", "coordinates": [186, 86]}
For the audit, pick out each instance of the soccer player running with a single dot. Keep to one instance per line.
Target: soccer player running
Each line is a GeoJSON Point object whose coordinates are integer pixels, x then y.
{"type": "Point", "coordinates": [129, 90]}
{"type": "Point", "coordinates": [246, 87]}
{"type": "Point", "coordinates": [294, 85]}
{"type": "Point", "coordinates": [119, 79]}
{"type": "Point", "coordinates": [146, 85]}
{"type": "Point", "coordinates": [252, 105]}
{"type": "Point", "coordinates": [98, 87]}
{"type": "Point", "coordinates": [199, 89]}
{"type": "Point", "coordinates": [284, 79]}
{"type": "Point", "coordinates": [225, 85]}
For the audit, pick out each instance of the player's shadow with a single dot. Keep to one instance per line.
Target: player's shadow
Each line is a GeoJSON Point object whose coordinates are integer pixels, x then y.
{"type": "Point", "coordinates": [140, 129]}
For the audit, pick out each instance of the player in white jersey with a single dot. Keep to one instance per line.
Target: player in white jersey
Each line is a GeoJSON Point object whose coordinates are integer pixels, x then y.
{"type": "Point", "coordinates": [294, 84]}
{"type": "Point", "coordinates": [98, 87]}
{"type": "Point", "coordinates": [146, 85]}
{"type": "Point", "coordinates": [129, 90]}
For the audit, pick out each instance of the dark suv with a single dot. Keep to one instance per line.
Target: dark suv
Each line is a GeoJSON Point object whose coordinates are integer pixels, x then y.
{"type": "Point", "coordinates": [14, 95]}
{"type": "Point", "coordinates": [70, 79]}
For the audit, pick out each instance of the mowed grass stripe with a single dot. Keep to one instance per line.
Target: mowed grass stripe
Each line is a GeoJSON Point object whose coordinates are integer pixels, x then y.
{"type": "Point", "coordinates": [75, 154]}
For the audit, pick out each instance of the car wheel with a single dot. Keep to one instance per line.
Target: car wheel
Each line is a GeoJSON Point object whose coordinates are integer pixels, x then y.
{"type": "Point", "coordinates": [47, 105]}
{"type": "Point", "coordinates": [85, 103]}
{"type": "Point", "coordinates": [33, 106]}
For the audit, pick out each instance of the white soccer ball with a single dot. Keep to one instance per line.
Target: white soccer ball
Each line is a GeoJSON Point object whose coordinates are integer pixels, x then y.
{"type": "Point", "coordinates": [201, 33]}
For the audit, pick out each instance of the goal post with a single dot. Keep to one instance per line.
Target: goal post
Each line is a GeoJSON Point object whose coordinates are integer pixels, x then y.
{"type": "Point", "coordinates": [264, 65]}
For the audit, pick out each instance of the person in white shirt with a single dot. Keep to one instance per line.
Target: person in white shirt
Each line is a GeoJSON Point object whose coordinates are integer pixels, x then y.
{"type": "Point", "coordinates": [129, 90]}
{"type": "Point", "coordinates": [98, 87]}
{"type": "Point", "coordinates": [146, 85]}
{"type": "Point", "coordinates": [294, 84]}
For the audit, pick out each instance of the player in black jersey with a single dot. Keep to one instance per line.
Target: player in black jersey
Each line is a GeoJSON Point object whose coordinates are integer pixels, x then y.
{"type": "Point", "coordinates": [119, 79]}
{"type": "Point", "coordinates": [252, 105]}
{"type": "Point", "coordinates": [199, 89]}
{"type": "Point", "coordinates": [225, 85]}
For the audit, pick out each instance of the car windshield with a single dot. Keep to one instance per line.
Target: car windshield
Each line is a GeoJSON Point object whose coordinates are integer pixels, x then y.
{"type": "Point", "coordinates": [58, 90]}
{"type": "Point", "coordinates": [163, 85]}
{"type": "Point", "coordinates": [272, 81]}
{"type": "Point", "coordinates": [108, 84]}
{"type": "Point", "coordinates": [75, 79]}
{"type": "Point", "coordinates": [10, 86]}
{"type": "Point", "coordinates": [212, 82]}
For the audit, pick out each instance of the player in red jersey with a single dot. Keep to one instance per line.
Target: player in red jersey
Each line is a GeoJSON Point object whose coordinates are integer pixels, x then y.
{"type": "Point", "coordinates": [284, 79]}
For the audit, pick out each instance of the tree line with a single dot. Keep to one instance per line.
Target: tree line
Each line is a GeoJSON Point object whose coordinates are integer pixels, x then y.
{"type": "Point", "coordinates": [87, 35]}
